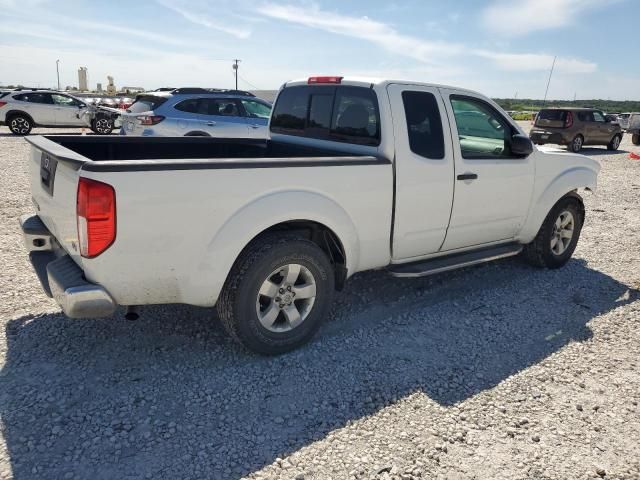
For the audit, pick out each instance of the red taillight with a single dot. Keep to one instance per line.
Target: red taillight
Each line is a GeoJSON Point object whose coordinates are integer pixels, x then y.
{"type": "Point", "coordinates": [314, 80]}
{"type": "Point", "coordinates": [2, 104]}
{"type": "Point", "coordinates": [96, 215]}
{"type": "Point", "coordinates": [150, 119]}
{"type": "Point", "coordinates": [568, 122]}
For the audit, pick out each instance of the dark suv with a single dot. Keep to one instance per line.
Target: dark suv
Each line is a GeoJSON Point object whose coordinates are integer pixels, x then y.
{"type": "Point", "coordinates": [575, 127]}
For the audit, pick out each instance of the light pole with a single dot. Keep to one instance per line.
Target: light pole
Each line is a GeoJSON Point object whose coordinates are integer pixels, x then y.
{"type": "Point", "coordinates": [58, 73]}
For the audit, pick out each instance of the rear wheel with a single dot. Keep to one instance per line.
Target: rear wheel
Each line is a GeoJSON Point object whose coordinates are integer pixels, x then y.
{"type": "Point", "coordinates": [558, 236]}
{"type": "Point", "coordinates": [20, 124]}
{"type": "Point", "coordinates": [102, 126]}
{"type": "Point", "coordinates": [277, 294]}
{"type": "Point", "coordinates": [635, 138]}
{"type": "Point", "coordinates": [614, 143]}
{"type": "Point", "coordinates": [576, 144]}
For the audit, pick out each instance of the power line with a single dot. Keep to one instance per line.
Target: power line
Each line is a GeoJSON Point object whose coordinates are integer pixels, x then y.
{"type": "Point", "coordinates": [249, 83]}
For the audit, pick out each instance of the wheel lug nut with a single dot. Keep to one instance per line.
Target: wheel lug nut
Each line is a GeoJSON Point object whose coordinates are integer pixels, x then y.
{"type": "Point", "coordinates": [289, 288]}
{"type": "Point", "coordinates": [281, 290]}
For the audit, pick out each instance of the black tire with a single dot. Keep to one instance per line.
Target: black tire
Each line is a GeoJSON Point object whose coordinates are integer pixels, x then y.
{"type": "Point", "coordinates": [539, 252]}
{"type": "Point", "coordinates": [576, 144]}
{"type": "Point", "coordinates": [102, 125]}
{"type": "Point", "coordinates": [20, 124]}
{"type": "Point", "coordinates": [614, 144]}
{"type": "Point", "coordinates": [238, 303]}
{"type": "Point", "coordinates": [635, 138]}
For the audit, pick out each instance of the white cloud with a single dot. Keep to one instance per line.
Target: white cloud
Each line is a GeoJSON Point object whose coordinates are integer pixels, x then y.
{"type": "Point", "coordinates": [381, 34]}
{"type": "Point", "coordinates": [201, 18]}
{"type": "Point", "coordinates": [523, 62]}
{"type": "Point", "coordinates": [387, 37]}
{"type": "Point", "coordinates": [520, 17]}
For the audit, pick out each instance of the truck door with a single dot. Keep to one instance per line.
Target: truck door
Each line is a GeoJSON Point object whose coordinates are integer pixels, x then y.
{"type": "Point", "coordinates": [492, 187]}
{"type": "Point", "coordinates": [423, 169]}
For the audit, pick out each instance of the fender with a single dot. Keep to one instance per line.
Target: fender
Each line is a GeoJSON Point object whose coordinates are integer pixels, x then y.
{"type": "Point", "coordinates": [576, 177]}
{"type": "Point", "coordinates": [255, 217]}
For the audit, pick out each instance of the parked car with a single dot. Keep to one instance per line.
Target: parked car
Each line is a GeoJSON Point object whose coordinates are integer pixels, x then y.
{"type": "Point", "coordinates": [21, 110]}
{"type": "Point", "coordinates": [575, 128]}
{"type": "Point", "coordinates": [197, 112]}
{"type": "Point", "coordinates": [633, 128]}
{"type": "Point", "coordinates": [623, 119]}
{"type": "Point", "coordinates": [358, 175]}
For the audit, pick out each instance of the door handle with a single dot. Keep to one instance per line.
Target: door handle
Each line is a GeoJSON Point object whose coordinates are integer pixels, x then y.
{"type": "Point", "coordinates": [211, 124]}
{"type": "Point", "coordinates": [254, 126]}
{"type": "Point", "coordinates": [467, 176]}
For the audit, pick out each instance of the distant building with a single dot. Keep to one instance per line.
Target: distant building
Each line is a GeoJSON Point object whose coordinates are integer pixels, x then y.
{"type": "Point", "coordinates": [111, 87]}
{"type": "Point", "coordinates": [82, 79]}
{"type": "Point", "coordinates": [99, 88]}
{"type": "Point", "coordinates": [132, 89]}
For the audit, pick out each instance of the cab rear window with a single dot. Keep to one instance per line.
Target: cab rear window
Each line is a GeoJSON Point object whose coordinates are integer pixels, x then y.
{"type": "Point", "coordinates": [337, 113]}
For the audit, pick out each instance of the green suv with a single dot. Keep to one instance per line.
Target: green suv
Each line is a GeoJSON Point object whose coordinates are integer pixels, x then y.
{"type": "Point", "coordinates": [575, 127]}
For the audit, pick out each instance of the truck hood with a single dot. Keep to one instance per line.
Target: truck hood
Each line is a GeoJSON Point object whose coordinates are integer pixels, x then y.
{"type": "Point", "coordinates": [562, 159]}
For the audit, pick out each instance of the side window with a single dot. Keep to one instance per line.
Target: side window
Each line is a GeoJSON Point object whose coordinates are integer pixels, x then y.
{"type": "Point", "coordinates": [355, 116]}
{"type": "Point", "coordinates": [189, 106]}
{"type": "Point", "coordinates": [424, 124]}
{"type": "Point", "coordinates": [224, 107]}
{"type": "Point", "coordinates": [35, 98]}
{"type": "Point", "coordinates": [290, 113]}
{"type": "Point", "coordinates": [256, 109]}
{"type": "Point", "coordinates": [64, 101]}
{"type": "Point", "coordinates": [598, 117]}
{"type": "Point", "coordinates": [482, 131]}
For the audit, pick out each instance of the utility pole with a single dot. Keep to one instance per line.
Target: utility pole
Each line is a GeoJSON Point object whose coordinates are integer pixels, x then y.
{"type": "Point", "coordinates": [549, 81]}
{"type": "Point", "coordinates": [235, 70]}
{"type": "Point", "coordinates": [58, 72]}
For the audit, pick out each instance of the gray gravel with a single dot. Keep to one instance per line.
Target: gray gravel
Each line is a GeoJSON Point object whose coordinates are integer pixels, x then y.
{"type": "Point", "coordinates": [495, 372]}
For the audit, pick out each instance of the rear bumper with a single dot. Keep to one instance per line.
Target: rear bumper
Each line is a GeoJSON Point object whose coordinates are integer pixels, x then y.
{"type": "Point", "coordinates": [542, 137]}
{"type": "Point", "coordinates": [61, 277]}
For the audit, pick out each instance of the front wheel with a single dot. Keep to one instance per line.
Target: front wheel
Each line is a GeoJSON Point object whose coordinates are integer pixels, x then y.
{"type": "Point", "coordinates": [558, 236]}
{"type": "Point", "coordinates": [614, 143]}
{"type": "Point", "coordinates": [20, 125]}
{"type": "Point", "coordinates": [102, 126]}
{"type": "Point", "coordinates": [277, 294]}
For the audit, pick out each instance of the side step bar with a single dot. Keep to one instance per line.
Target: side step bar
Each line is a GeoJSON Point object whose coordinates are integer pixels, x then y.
{"type": "Point", "coordinates": [454, 261]}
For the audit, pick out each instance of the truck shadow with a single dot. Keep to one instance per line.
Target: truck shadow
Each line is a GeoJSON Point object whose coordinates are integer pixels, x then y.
{"type": "Point", "coordinates": [172, 396]}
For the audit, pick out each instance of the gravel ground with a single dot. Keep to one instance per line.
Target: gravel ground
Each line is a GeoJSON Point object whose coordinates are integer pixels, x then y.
{"type": "Point", "coordinates": [494, 372]}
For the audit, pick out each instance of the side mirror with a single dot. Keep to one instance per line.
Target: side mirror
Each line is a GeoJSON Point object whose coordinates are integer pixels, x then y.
{"type": "Point", "coordinates": [521, 145]}
{"type": "Point", "coordinates": [82, 105]}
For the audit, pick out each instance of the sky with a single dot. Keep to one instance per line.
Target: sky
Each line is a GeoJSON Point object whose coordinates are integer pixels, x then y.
{"type": "Point", "coordinates": [502, 48]}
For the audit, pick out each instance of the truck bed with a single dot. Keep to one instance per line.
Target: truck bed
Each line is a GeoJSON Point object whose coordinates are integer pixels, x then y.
{"type": "Point", "coordinates": [187, 150]}
{"type": "Point", "coordinates": [187, 206]}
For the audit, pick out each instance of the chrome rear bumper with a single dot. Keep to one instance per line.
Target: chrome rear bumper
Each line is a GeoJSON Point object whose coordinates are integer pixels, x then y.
{"type": "Point", "coordinates": [61, 277]}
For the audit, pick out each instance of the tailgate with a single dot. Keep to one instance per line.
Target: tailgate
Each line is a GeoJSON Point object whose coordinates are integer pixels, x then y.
{"type": "Point", "coordinates": [53, 172]}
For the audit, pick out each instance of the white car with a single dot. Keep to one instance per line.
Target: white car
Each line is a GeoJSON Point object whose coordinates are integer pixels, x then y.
{"type": "Point", "coordinates": [358, 174]}
{"type": "Point", "coordinates": [23, 109]}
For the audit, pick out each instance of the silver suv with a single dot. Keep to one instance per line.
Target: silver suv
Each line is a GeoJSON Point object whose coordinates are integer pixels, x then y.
{"type": "Point", "coordinates": [197, 112]}
{"type": "Point", "coordinates": [23, 109]}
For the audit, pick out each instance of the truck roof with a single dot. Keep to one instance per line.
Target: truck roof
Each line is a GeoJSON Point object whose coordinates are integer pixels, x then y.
{"type": "Point", "coordinates": [357, 81]}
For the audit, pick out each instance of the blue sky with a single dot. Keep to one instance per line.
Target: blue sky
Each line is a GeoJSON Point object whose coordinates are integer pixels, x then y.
{"type": "Point", "coordinates": [499, 47]}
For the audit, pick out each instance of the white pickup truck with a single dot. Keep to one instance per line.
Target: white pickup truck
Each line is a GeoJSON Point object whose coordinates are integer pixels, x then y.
{"type": "Point", "coordinates": [358, 174]}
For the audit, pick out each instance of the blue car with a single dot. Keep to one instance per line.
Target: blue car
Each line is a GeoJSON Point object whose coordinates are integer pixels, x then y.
{"type": "Point", "coordinates": [197, 112]}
